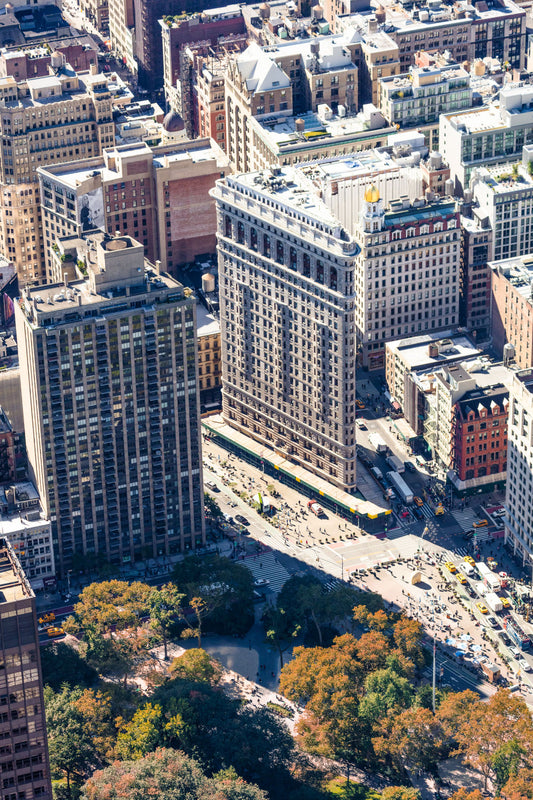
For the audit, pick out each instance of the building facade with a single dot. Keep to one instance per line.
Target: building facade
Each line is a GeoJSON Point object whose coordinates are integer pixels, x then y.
{"type": "Point", "coordinates": [47, 120]}
{"type": "Point", "coordinates": [512, 309]}
{"type": "Point", "coordinates": [111, 406]}
{"type": "Point", "coordinates": [492, 135]}
{"type": "Point", "coordinates": [287, 304]}
{"type": "Point", "coordinates": [159, 195]}
{"type": "Point", "coordinates": [519, 496]}
{"type": "Point", "coordinates": [475, 275]}
{"type": "Point", "coordinates": [24, 750]}
{"type": "Point", "coordinates": [24, 526]}
{"type": "Point", "coordinates": [406, 271]}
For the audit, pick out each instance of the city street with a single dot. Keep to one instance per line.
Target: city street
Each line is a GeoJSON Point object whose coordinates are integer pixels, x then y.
{"type": "Point", "coordinates": [302, 542]}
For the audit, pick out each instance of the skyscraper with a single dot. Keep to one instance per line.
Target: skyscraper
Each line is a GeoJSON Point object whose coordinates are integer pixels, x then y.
{"type": "Point", "coordinates": [23, 746]}
{"type": "Point", "coordinates": [519, 496]}
{"type": "Point", "coordinates": [287, 306]}
{"type": "Point", "coordinates": [111, 410]}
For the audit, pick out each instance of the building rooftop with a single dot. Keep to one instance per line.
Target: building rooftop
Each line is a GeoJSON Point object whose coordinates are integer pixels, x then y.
{"type": "Point", "coordinates": [293, 192]}
{"type": "Point", "coordinates": [207, 324]}
{"type": "Point", "coordinates": [283, 131]}
{"type": "Point", "coordinates": [414, 351]}
{"type": "Point", "coordinates": [525, 376]}
{"type": "Point", "coordinates": [519, 272]}
{"type": "Point", "coordinates": [13, 583]}
{"type": "Point", "coordinates": [117, 273]}
{"type": "Point", "coordinates": [406, 18]}
{"type": "Point", "coordinates": [502, 179]}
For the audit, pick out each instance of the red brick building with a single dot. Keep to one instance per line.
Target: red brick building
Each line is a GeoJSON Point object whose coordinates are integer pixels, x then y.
{"type": "Point", "coordinates": [479, 434]}
{"type": "Point", "coordinates": [32, 62]}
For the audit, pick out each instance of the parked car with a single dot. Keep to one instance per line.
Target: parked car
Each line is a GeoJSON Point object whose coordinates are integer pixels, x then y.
{"type": "Point", "coordinates": [525, 665]}
{"type": "Point", "coordinates": [242, 520]}
{"type": "Point", "coordinates": [261, 582]}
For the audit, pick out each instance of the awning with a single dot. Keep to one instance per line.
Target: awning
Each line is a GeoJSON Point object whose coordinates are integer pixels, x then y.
{"type": "Point", "coordinates": [396, 406]}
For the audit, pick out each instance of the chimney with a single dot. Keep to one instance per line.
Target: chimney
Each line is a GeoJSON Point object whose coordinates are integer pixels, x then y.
{"type": "Point", "coordinates": [158, 267]}
{"type": "Point", "coordinates": [65, 279]}
{"type": "Point", "coordinates": [93, 69]}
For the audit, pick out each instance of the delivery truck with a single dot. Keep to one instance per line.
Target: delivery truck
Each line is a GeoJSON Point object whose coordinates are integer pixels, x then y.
{"type": "Point", "coordinates": [398, 483]}
{"type": "Point", "coordinates": [493, 602]}
{"type": "Point", "coordinates": [377, 442]}
{"type": "Point", "coordinates": [490, 579]}
{"type": "Point", "coordinates": [396, 463]}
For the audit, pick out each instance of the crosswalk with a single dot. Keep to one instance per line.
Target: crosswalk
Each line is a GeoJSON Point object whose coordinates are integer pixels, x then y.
{"type": "Point", "coordinates": [427, 511]}
{"type": "Point", "coordinates": [465, 518]}
{"type": "Point", "coordinates": [267, 566]}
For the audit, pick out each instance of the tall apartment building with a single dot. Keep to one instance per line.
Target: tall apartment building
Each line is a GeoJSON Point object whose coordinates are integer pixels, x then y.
{"type": "Point", "coordinates": [496, 29]}
{"type": "Point", "coordinates": [111, 407]}
{"type": "Point", "coordinates": [158, 195]}
{"type": "Point", "coordinates": [135, 33]}
{"type": "Point", "coordinates": [406, 275]}
{"type": "Point", "coordinates": [475, 275]}
{"type": "Point", "coordinates": [504, 195]}
{"type": "Point", "coordinates": [63, 116]}
{"type": "Point", "coordinates": [519, 496]}
{"type": "Point", "coordinates": [489, 136]}
{"type": "Point", "coordinates": [287, 304]}
{"type": "Point", "coordinates": [24, 749]}
{"type": "Point", "coordinates": [181, 33]}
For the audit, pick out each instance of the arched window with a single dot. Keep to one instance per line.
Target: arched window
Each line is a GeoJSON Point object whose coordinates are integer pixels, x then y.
{"type": "Point", "coordinates": [320, 271]}
{"type": "Point", "coordinates": [293, 258]}
{"type": "Point", "coordinates": [240, 233]}
{"type": "Point", "coordinates": [266, 245]}
{"type": "Point", "coordinates": [279, 252]}
{"type": "Point", "coordinates": [253, 238]}
{"type": "Point", "coordinates": [306, 265]}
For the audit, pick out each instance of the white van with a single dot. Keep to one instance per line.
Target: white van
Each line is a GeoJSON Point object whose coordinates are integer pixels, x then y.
{"type": "Point", "coordinates": [467, 569]}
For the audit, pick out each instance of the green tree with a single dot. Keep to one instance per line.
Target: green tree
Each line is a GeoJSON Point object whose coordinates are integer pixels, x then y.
{"type": "Point", "coordinates": [143, 734]}
{"type": "Point", "coordinates": [63, 664]}
{"type": "Point", "coordinates": [72, 750]}
{"type": "Point", "coordinates": [386, 693]}
{"type": "Point", "coordinates": [221, 590]}
{"type": "Point", "coordinates": [212, 506]}
{"type": "Point", "coordinates": [166, 775]}
{"type": "Point", "coordinates": [278, 632]}
{"type": "Point", "coordinates": [197, 666]}
{"type": "Point", "coordinates": [400, 793]}
{"type": "Point", "coordinates": [164, 606]}
{"type": "Point", "coordinates": [108, 604]}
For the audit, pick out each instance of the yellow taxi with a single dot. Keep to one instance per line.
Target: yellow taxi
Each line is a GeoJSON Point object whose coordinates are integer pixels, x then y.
{"type": "Point", "coordinates": [418, 501]}
{"type": "Point", "coordinates": [451, 567]}
{"type": "Point", "coordinates": [55, 632]}
{"type": "Point", "coordinates": [469, 560]}
{"type": "Point", "coordinates": [461, 578]}
{"type": "Point", "coordinates": [506, 603]}
{"type": "Point", "coordinates": [359, 403]}
{"type": "Point", "coordinates": [481, 523]}
{"type": "Point", "coordinates": [483, 608]}
{"type": "Point", "coordinates": [439, 510]}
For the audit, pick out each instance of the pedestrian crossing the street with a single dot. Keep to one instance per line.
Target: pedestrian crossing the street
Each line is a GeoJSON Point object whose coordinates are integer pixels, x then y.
{"type": "Point", "coordinates": [267, 566]}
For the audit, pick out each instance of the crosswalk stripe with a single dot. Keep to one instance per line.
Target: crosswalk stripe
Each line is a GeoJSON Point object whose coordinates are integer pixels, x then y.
{"type": "Point", "coordinates": [271, 569]}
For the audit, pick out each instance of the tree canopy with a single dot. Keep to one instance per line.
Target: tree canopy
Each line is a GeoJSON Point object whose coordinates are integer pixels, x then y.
{"type": "Point", "coordinates": [166, 775]}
